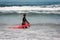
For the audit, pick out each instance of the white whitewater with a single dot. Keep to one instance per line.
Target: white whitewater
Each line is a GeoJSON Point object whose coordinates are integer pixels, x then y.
{"type": "Point", "coordinates": [55, 9]}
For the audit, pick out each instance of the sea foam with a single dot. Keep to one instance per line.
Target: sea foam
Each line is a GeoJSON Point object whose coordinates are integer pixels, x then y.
{"type": "Point", "coordinates": [55, 9]}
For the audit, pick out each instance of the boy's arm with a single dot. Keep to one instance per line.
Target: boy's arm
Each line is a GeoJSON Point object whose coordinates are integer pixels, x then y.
{"type": "Point", "coordinates": [28, 23]}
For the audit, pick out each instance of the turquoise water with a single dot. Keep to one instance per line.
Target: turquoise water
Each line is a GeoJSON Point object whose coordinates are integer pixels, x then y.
{"type": "Point", "coordinates": [3, 4]}
{"type": "Point", "coordinates": [32, 18]}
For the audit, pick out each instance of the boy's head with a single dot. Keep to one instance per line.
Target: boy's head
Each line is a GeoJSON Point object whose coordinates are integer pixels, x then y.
{"type": "Point", "coordinates": [24, 14]}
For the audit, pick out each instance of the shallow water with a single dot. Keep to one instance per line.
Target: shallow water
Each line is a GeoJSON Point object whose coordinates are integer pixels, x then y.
{"type": "Point", "coordinates": [36, 32]}
{"type": "Point", "coordinates": [32, 18]}
{"type": "Point", "coordinates": [43, 27]}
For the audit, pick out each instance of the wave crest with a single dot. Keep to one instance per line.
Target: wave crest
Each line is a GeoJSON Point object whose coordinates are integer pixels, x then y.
{"type": "Point", "coordinates": [55, 9]}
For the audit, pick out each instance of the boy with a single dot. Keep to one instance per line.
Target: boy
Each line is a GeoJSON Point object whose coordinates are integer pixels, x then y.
{"type": "Point", "coordinates": [25, 22]}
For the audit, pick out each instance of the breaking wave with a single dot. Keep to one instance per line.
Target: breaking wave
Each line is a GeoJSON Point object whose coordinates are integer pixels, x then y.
{"type": "Point", "coordinates": [49, 9]}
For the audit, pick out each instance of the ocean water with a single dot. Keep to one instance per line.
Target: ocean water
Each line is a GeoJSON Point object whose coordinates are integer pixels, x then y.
{"type": "Point", "coordinates": [44, 20]}
{"type": "Point", "coordinates": [33, 18]}
{"type": "Point", "coordinates": [43, 27]}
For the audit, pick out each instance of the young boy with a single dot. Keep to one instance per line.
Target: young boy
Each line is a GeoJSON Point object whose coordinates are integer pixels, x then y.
{"type": "Point", "coordinates": [25, 22]}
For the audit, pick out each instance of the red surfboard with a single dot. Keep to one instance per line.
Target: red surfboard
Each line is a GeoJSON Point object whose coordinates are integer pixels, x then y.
{"type": "Point", "coordinates": [21, 26]}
